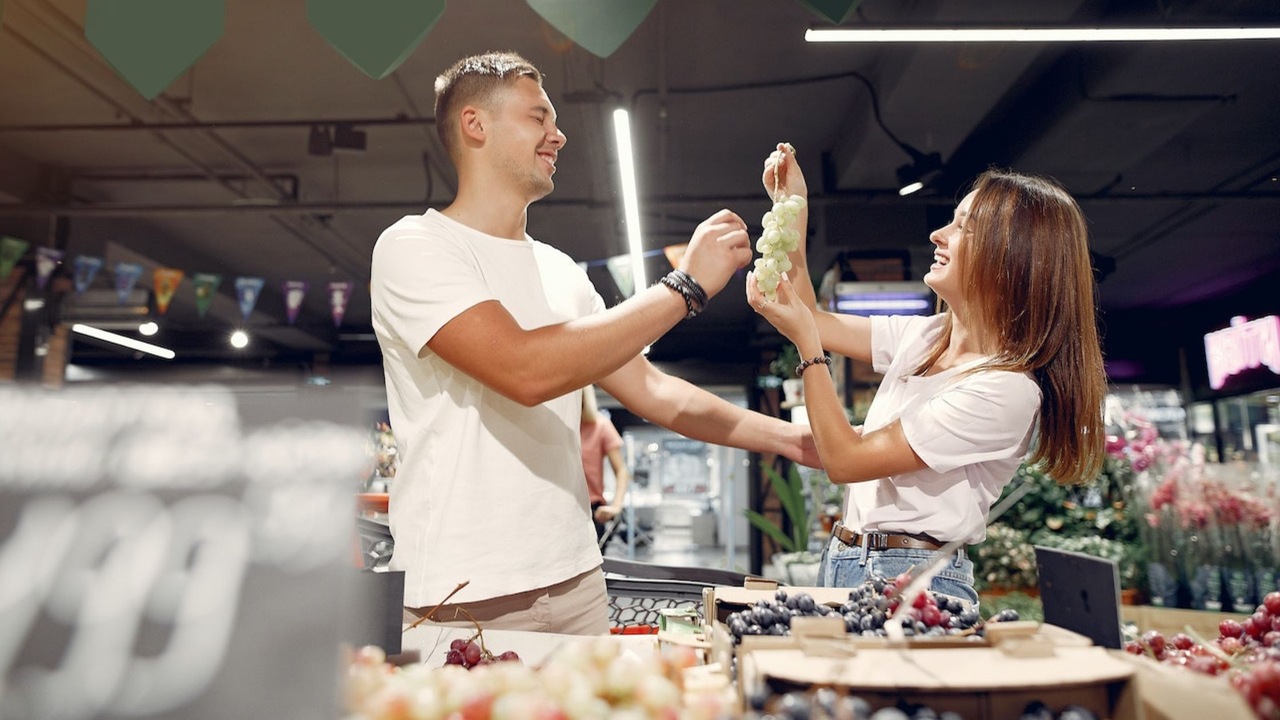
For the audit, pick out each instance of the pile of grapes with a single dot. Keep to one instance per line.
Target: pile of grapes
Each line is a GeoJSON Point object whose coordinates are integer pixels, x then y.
{"type": "Point", "coordinates": [1247, 653]}
{"type": "Point", "coordinates": [472, 652]}
{"type": "Point", "coordinates": [864, 613]}
{"type": "Point", "coordinates": [827, 704]}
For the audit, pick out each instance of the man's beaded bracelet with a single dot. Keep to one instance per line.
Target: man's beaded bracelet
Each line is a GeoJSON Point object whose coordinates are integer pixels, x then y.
{"type": "Point", "coordinates": [804, 364]}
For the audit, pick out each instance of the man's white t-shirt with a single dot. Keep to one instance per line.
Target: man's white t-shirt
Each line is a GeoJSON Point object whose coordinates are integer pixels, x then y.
{"type": "Point", "coordinates": [972, 429]}
{"type": "Point", "coordinates": [488, 491]}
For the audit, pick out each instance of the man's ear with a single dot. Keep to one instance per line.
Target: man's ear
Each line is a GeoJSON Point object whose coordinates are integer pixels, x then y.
{"type": "Point", "coordinates": [472, 125]}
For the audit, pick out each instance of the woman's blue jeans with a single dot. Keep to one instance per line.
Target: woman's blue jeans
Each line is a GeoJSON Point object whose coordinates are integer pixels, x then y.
{"type": "Point", "coordinates": [846, 566]}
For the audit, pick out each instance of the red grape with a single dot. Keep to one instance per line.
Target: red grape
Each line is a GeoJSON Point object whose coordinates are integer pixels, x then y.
{"type": "Point", "coordinates": [1230, 628]}
{"type": "Point", "coordinates": [1182, 641]}
{"type": "Point", "coordinates": [1272, 602]}
{"type": "Point", "coordinates": [472, 653]}
{"type": "Point", "coordinates": [1154, 640]}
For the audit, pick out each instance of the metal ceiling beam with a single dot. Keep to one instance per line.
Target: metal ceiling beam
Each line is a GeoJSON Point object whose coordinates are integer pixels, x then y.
{"type": "Point", "coordinates": [176, 125]}
{"type": "Point", "coordinates": [878, 197]}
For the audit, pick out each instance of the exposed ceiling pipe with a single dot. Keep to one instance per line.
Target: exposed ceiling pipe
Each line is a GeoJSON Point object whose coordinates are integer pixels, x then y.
{"type": "Point", "coordinates": [213, 124]}
{"type": "Point", "coordinates": [853, 198]}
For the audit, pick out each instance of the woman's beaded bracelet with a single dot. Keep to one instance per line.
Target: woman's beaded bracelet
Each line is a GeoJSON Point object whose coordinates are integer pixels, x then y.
{"type": "Point", "coordinates": [820, 360]}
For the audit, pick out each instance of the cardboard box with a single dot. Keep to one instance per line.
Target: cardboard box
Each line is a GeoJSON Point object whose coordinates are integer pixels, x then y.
{"type": "Point", "coordinates": [980, 683]}
{"type": "Point", "coordinates": [1167, 692]}
{"type": "Point", "coordinates": [1175, 620]}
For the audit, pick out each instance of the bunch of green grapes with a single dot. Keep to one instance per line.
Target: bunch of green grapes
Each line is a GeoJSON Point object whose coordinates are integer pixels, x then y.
{"type": "Point", "coordinates": [779, 238]}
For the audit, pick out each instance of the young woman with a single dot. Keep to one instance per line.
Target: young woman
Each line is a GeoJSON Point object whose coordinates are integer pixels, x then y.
{"type": "Point", "coordinates": [1010, 364]}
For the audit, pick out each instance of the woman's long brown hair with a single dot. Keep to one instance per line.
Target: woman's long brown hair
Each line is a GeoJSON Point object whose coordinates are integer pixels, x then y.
{"type": "Point", "coordinates": [1029, 281]}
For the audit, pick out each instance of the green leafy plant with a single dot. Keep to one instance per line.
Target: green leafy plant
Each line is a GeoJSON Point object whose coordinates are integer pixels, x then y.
{"type": "Point", "coordinates": [784, 365]}
{"type": "Point", "coordinates": [794, 498]}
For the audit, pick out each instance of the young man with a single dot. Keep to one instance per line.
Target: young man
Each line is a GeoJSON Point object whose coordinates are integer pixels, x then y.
{"type": "Point", "coordinates": [488, 337]}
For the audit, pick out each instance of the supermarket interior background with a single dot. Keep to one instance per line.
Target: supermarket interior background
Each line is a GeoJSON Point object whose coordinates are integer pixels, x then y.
{"type": "Point", "coordinates": [275, 157]}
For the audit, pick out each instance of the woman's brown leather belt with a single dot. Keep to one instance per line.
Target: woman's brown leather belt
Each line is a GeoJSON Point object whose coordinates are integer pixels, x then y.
{"type": "Point", "coordinates": [882, 541]}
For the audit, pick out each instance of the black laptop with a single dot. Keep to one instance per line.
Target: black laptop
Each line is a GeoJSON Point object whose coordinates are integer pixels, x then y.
{"type": "Point", "coordinates": [1080, 593]}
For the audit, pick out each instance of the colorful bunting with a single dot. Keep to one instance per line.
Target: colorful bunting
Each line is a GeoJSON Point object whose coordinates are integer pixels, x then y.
{"type": "Point", "coordinates": [11, 250]}
{"type": "Point", "coordinates": [597, 27]}
{"type": "Point", "coordinates": [620, 268]}
{"type": "Point", "coordinates": [294, 291]}
{"type": "Point", "coordinates": [166, 282]}
{"type": "Point", "coordinates": [837, 11]}
{"type": "Point", "coordinates": [374, 36]}
{"type": "Point", "coordinates": [247, 291]}
{"type": "Point", "coordinates": [85, 268]}
{"type": "Point", "coordinates": [206, 287]}
{"type": "Point", "coordinates": [47, 260]}
{"type": "Point", "coordinates": [151, 42]}
{"type": "Point", "coordinates": [339, 296]}
{"type": "Point", "coordinates": [675, 253]}
{"type": "Point", "coordinates": [127, 275]}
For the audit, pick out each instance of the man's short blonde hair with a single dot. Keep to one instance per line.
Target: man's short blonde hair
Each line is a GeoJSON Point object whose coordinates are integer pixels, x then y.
{"type": "Point", "coordinates": [475, 80]}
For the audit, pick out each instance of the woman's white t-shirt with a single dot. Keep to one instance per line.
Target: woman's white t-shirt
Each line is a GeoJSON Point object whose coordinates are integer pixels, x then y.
{"type": "Point", "coordinates": [488, 491]}
{"type": "Point", "coordinates": [972, 429]}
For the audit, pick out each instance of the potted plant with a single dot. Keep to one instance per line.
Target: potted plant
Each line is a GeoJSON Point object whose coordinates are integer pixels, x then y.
{"type": "Point", "coordinates": [784, 366]}
{"type": "Point", "coordinates": [795, 564]}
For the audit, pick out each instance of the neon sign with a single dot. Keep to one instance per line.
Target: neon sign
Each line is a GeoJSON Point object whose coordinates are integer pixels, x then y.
{"type": "Point", "coordinates": [1242, 346]}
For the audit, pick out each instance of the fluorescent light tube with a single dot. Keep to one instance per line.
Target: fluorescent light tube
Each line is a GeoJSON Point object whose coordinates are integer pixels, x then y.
{"type": "Point", "coordinates": [1037, 35]}
{"type": "Point", "coordinates": [630, 196]}
{"type": "Point", "coordinates": [123, 341]}
{"type": "Point", "coordinates": [886, 304]}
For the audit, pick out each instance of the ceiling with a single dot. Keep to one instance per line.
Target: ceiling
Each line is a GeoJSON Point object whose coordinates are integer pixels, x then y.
{"type": "Point", "coordinates": [1171, 148]}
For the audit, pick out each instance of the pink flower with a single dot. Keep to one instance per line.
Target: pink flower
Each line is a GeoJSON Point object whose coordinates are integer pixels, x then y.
{"type": "Point", "coordinates": [1116, 445]}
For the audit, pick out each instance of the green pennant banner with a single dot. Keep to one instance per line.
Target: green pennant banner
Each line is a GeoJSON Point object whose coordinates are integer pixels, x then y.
{"type": "Point", "coordinates": [206, 285]}
{"type": "Point", "coordinates": [837, 11]}
{"type": "Point", "coordinates": [11, 250]}
{"type": "Point", "coordinates": [623, 276]}
{"type": "Point", "coordinates": [151, 42]}
{"type": "Point", "coordinates": [598, 27]}
{"type": "Point", "coordinates": [374, 36]}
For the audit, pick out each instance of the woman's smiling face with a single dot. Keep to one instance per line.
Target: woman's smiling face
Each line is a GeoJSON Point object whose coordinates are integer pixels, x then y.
{"type": "Point", "coordinates": [946, 272]}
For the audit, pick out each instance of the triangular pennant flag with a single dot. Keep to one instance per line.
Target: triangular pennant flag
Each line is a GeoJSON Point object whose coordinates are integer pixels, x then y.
{"type": "Point", "coordinates": [206, 287]}
{"type": "Point", "coordinates": [247, 291]}
{"type": "Point", "coordinates": [374, 36]}
{"type": "Point", "coordinates": [837, 11]}
{"type": "Point", "coordinates": [620, 268]}
{"type": "Point", "coordinates": [85, 267]}
{"type": "Point", "coordinates": [11, 250]}
{"type": "Point", "coordinates": [294, 291]}
{"type": "Point", "coordinates": [675, 253]}
{"type": "Point", "coordinates": [47, 260]}
{"type": "Point", "coordinates": [339, 295]}
{"type": "Point", "coordinates": [597, 27]}
{"type": "Point", "coordinates": [127, 275]}
{"type": "Point", "coordinates": [166, 282]}
{"type": "Point", "coordinates": [151, 42]}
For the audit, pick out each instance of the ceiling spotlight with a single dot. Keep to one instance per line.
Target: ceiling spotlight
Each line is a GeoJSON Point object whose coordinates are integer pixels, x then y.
{"type": "Point", "coordinates": [318, 142]}
{"type": "Point", "coordinates": [347, 137]}
{"type": "Point", "coordinates": [239, 339]}
{"type": "Point", "coordinates": [149, 328]}
{"type": "Point", "coordinates": [923, 170]}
